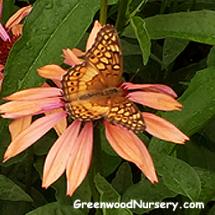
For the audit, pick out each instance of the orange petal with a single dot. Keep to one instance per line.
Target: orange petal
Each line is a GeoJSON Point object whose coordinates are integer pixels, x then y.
{"type": "Point", "coordinates": [91, 39]}
{"type": "Point", "coordinates": [70, 58]}
{"type": "Point", "coordinates": [17, 30]}
{"type": "Point", "coordinates": [159, 88]}
{"type": "Point", "coordinates": [60, 127]}
{"type": "Point", "coordinates": [19, 125]}
{"type": "Point", "coordinates": [163, 129]}
{"type": "Point", "coordinates": [80, 159]}
{"type": "Point", "coordinates": [35, 93]}
{"type": "Point", "coordinates": [157, 101]}
{"type": "Point", "coordinates": [3, 34]}
{"type": "Point", "coordinates": [15, 109]}
{"type": "Point", "coordinates": [131, 148]}
{"type": "Point", "coordinates": [31, 134]}
{"type": "Point", "coordinates": [18, 16]}
{"type": "Point", "coordinates": [58, 155]}
{"type": "Point", "coordinates": [52, 71]}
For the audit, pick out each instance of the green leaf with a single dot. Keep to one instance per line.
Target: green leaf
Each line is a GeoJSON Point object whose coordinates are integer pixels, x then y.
{"type": "Point", "coordinates": [19, 208]}
{"type": "Point", "coordinates": [211, 57]}
{"type": "Point", "coordinates": [123, 178]}
{"type": "Point", "coordinates": [212, 211]}
{"type": "Point", "coordinates": [55, 209]}
{"type": "Point", "coordinates": [9, 8]}
{"type": "Point", "coordinates": [178, 176]}
{"type": "Point", "coordinates": [172, 49]}
{"type": "Point", "coordinates": [196, 26]}
{"type": "Point", "coordinates": [147, 192]}
{"type": "Point", "coordinates": [207, 184]}
{"type": "Point", "coordinates": [130, 47]}
{"type": "Point", "coordinates": [143, 38]}
{"type": "Point", "coordinates": [195, 150]}
{"type": "Point", "coordinates": [196, 112]}
{"type": "Point", "coordinates": [109, 163]}
{"type": "Point", "coordinates": [52, 26]}
{"type": "Point", "coordinates": [12, 192]}
{"type": "Point", "coordinates": [108, 194]}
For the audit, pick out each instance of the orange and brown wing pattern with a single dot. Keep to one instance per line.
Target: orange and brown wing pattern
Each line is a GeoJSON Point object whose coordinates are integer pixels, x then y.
{"type": "Point", "coordinates": [105, 55]}
{"type": "Point", "coordinates": [126, 113]}
{"type": "Point", "coordinates": [79, 84]}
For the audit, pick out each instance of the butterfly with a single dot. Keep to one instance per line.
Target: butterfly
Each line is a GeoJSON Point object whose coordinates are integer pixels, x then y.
{"type": "Point", "coordinates": [92, 88]}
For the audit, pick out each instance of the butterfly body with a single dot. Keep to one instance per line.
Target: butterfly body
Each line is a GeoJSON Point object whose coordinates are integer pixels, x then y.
{"type": "Point", "coordinates": [92, 89]}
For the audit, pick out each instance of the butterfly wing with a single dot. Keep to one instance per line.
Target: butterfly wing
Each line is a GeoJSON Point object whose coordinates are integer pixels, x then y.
{"type": "Point", "coordinates": [101, 71]}
{"type": "Point", "coordinates": [125, 112]}
{"type": "Point", "coordinates": [105, 55]}
{"type": "Point", "coordinates": [101, 68]}
{"type": "Point", "coordinates": [79, 84]}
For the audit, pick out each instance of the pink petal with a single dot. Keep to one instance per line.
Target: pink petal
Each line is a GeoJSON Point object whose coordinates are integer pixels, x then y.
{"type": "Point", "coordinates": [91, 39]}
{"type": "Point", "coordinates": [35, 93]}
{"type": "Point", "coordinates": [163, 129]}
{"type": "Point", "coordinates": [31, 134]}
{"type": "Point", "coordinates": [157, 101]}
{"type": "Point", "coordinates": [52, 71]}
{"type": "Point", "coordinates": [130, 147]}
{"type": "Point", "coordinates": [15, 109]}
{"type": "Point", "coordinates": [58, 155]}
{"type": "Point", "coordinates": [80, 159]}
{"type": "Point", "coordinates": [70, 58]}
{"type": "Point", "coordinates": [19, 125]}
{"type": "Point", "coordinates": [78, 53]}
{"type": "Point", "coordinates": [18, 16]}
{"type": "Point", "coordinates": [3, 34]}
{"type": "Point", "coordinates": [60, 127]}
{"type": "Point", "coordinates": [159, 88]}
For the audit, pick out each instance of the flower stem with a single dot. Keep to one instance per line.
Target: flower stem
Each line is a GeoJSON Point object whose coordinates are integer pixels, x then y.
{"type": "Point", "coordinates": [103, 11]}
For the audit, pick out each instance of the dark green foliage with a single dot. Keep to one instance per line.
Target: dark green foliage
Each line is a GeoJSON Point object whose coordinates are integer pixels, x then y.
{"type": "Point", "coordinates": [163, 41]}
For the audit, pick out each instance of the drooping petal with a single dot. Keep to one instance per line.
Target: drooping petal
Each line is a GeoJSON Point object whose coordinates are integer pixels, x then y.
{"type": "Point", "coordinates": [18, 16]}
{"type": "Point", "coordinates": [15, 109]}
{"type": "Point", "coordinates": [159, 88]}
{"type": "Point", "coordinates": [91, 39]}
{"type": "Point", "coordinates": [157, 101]}
{"type": "Point", "coordinates": [17, 30]}
{"type": "Point", "coordinates": [3, 34]}
{"type": "Point", "coordinates": [163, 129]}
{"type": "Point", "coordinates": [31, 134]}
{"type": "Point", "coordinates": [70, 58]}
{"type": "Point", "coordinates": [18, 125]}
{"type": "Point", "coordinates": [131, 148]}
{"type": "Point", "coordinates": [61, 126]}
{"type": "Point", "coordinates": [80, 159]}
{"type": "Point", "coordinates": [58, 155]}
{"type": "Point", "coordinates": [53, 72]}
{"type": "Point", "coordinates": [35, 93]}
